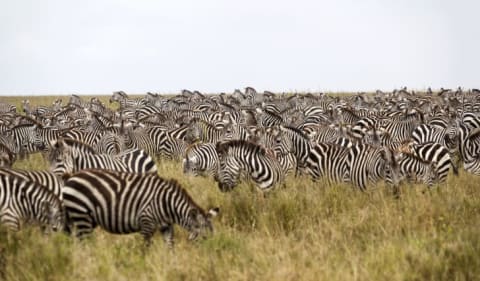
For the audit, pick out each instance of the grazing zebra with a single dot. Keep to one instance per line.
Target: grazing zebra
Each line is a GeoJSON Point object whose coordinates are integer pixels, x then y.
{"type": "Point", "coordinates": [370, 164]}
{"type": "Point", "coordinates": [45, 178]}
{"type": "Point", "coordinates": [65, 160]}
{"type": "Point", "coordinates": [201, 159]}
{"type": "Point", "coordinates": [432, 153]}
{"type": "Point", "coordinates": [26, 201]}
{"type": "Point", "coordinates": [124, 203]}
{"type": "Point", "coordinates": [238, 156]}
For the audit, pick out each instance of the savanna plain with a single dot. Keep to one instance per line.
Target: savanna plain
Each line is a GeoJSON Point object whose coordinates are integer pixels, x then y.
{"type": "Point", "coordinates": [303, 231]}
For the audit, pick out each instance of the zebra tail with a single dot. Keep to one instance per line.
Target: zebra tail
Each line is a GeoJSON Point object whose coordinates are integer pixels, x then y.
{"type": "Point", "coordinates": [455, 168]}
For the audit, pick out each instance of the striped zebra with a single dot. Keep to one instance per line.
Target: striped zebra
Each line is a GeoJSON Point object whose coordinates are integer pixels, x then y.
{"type": "Point", "coordinates": [199, 130]}
{"type": "Point", "coordinates": [124, 203]}
{"type": "Point", "coordinates": [23, 201]}
{"type": "Point", "coordinates": [328, 161]}
{"type": "Point", "coordinates": [25, 139]}
{"type": "Point", "coordinates": [469, 148]}
{"type": "Point", "coordinates": [367, 164]}
{"type": "Point", "coordinates": [417, 170]}
{"type": "Point", "coordinates": [110, 143]}
{"type": "Point", "coordinates": [45, 178]}
{"type": "Point", "coordinates": [237, 156]}
{"type": "Point", "coordinates": [274, 140]}
{"type": "Point", "coordinates": [122, 98]}
{"type": "Point", "coordinates": [7, 108]}
{"type": "Point", "coordinates": [201, 159]}
{"type": "Point", "coordinates": [434, 154]}
{"type": "Point", "coordinates": [301, 146]}
{"type": "Point", "coordinates": [65, 160]}
{"type": "Point", "coordinates": [429, 133]}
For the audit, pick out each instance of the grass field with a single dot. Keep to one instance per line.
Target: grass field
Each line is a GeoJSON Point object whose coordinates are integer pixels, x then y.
{"type": "Point", "coordinates": [306, 231]}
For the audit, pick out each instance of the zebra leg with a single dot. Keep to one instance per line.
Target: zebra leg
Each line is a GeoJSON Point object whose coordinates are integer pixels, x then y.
{"type": "Point", "coordinates": [147, 228]}
{"type": "Point", "coordinates": [167, 233]}
{"type": "Point", "coordinates": [82, 223]}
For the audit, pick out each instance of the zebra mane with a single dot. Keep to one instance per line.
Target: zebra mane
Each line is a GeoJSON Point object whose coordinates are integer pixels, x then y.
{"type": "Point", "coordinates": [222, 147]}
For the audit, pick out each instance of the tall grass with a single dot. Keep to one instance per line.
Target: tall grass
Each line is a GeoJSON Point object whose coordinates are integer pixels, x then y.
{"type": "Point", "coordinates": [305, 231]}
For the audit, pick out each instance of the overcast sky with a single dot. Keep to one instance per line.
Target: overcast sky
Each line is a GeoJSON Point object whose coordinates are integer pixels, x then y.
{"type": "Point", "coordinates": [99, 46]}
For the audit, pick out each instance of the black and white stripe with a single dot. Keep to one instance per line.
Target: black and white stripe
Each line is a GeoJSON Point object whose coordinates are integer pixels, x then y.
{"type": "Point", "coordinates": [237, 156]}
{"type": "Point", "coordinates": [124, 203]}
{"type": "Point", "coordinates": [23, 201]}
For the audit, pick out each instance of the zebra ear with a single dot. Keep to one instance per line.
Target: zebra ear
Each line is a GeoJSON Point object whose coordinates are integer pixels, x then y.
{"type": "Point", "coordinates": [213, 212]}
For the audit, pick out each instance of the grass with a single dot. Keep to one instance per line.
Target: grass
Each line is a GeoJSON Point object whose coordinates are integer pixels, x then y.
{"type": "Point", "coordinates": [306, 231]}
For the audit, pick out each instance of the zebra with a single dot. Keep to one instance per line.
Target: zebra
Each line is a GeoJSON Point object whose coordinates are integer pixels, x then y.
{"type": "Point", "coordinates": [27, 201]}
{"type": "Point", "coordinates": [201, 159]}
{"type": "Point", "coordinates": [416, 169]}
{"type": "Point", "coordinates": [428, 133]}
{"type": "Point", "coordinates": [433, 153]}
{"type": "Point", "coordinates": [272, 138]}
{"type": "Point", "coordinates": [45, 178]}
{"type": "Point", "coordinates": [110, 143]}
{"type": "Point", "coordinates": [205, 132]}
{"type": "Point", "coordinates": [300, 145]}
{"type": "Point", "coordinates": [123, 203]}
{"type": "Point", "coordinates": [469, 148]}
{"type": "Point", "coordinates": [24, 138]}
{"type": "Point", "coordinates": [122, 98]}
{"type": "Point", "coordinates": [329, 161]}
{"type": "Point", "coordinates": [65, 160]}
{"type": "Point", "coordinates": [7, 108]}
{"type": "Point", "coordinates": [370, 164]}
{"type": "Point", "coordinates": [236, 156]}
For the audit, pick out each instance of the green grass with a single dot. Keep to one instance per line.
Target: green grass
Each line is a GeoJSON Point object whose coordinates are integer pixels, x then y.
{"type": "Point", "coordinates": [306, 231]}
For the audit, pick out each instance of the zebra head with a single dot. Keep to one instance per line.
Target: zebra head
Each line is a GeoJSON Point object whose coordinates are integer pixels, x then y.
{"type": "Point", "coordinates": [61, 158]}
{"type": "Point", "coordinates": [199, 223]}
{"type": "Point", "coordinates": [52, 214]}
{"type": "Point", "coordinates": [228, 168]}
{"type": "Point", "coordinates": [190, 165]}
{"type": "Point", "coordinates": [392, 168]}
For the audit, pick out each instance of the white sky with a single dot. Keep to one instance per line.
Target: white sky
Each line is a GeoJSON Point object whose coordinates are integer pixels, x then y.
{"type": "Point", "coordinates": [96, 47]}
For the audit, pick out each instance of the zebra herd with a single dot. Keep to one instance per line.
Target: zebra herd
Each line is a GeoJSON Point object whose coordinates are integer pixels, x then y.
{"type": "Point", "coordinates": [103, 157]}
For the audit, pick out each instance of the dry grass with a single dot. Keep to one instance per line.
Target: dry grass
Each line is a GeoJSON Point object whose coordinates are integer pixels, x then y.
{"type": "Point", "coordinates": [306, 231]}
